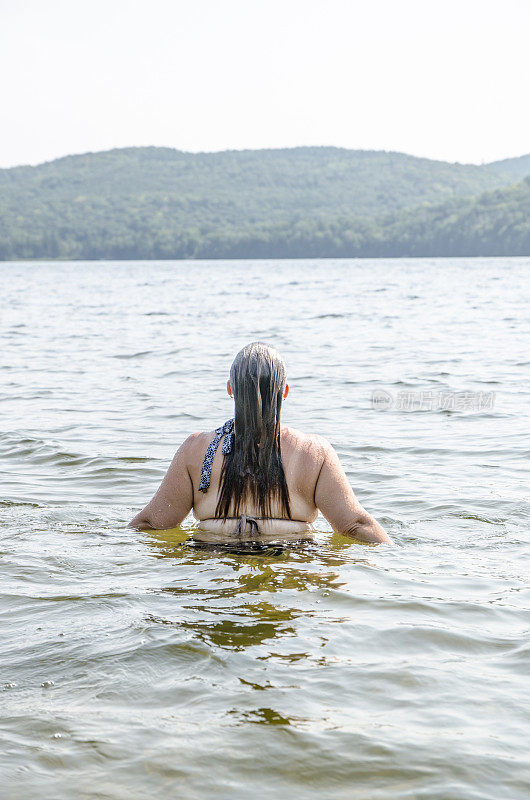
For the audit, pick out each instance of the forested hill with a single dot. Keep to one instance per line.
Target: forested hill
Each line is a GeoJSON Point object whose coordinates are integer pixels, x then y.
{"type": "Point", "coordinates": [517, 167]}
{"type": "Point", "coordinates": [162, 203]}
{"type": "Point", "coordinates": [494, 223]}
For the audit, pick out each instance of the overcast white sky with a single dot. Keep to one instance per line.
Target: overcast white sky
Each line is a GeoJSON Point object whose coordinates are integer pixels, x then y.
{"type": "Point", "coordinates": [446, 79]}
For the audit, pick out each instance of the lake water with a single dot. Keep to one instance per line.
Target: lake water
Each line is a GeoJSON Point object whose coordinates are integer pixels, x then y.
{"type": "Point", "coordinates": [135, 666]}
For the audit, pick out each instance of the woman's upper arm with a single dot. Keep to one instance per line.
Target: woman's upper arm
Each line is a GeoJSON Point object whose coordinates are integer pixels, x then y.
{"type": "Point", "coordinates": [174, 497]}
{"type": "Point", "coordinates": [337, 502]}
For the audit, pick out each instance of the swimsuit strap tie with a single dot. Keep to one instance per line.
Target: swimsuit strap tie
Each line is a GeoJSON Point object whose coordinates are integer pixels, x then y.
{"type": "Point", "coordinates": [241, 527]}
{"type": "Point", "coordinates": [226, 430]}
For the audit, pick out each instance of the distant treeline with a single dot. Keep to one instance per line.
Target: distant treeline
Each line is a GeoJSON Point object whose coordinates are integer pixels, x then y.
{"type": "Point", "coordinates": [157, 203]}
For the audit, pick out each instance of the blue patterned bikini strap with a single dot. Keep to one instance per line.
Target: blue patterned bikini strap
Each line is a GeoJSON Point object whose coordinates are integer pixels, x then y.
{"type": "Point", "coordinates": [226, 430]}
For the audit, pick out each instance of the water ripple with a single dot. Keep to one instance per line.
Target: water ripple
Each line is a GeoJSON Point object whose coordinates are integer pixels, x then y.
{"type": "Point", "coordinates": [327, 669]}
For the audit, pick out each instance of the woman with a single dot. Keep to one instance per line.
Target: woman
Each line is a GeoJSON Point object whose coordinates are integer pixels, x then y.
{"type": "Point", "coordinates": [265, 481]}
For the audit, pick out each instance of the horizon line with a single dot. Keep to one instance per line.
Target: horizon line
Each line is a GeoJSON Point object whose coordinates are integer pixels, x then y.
{"type": "Point", "coordinates": [257, 150]}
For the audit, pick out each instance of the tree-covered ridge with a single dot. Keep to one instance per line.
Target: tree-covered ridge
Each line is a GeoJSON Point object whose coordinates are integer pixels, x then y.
{"type": "Point", "coordinates": [162, 203]}
{"type": "Point", "coordinates": [493, 224]}
{"type": "Point", "coordinates": [517, 167]}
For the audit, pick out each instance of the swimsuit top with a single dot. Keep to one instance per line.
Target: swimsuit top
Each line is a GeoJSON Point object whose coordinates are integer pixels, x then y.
{"type": "Point", "coordinates": [227, 430]}
{"type": "Point", "coordinates": [224, 430]}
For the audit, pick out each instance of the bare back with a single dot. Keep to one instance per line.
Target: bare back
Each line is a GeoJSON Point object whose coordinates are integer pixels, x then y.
{"type": "Point", "coordinates": [315, 478]}
{"type": "Point", "coordinates": [302, 457]}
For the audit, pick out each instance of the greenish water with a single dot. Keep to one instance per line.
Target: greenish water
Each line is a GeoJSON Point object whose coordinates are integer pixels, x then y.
{"type": "Point", "coordinates": [135, 665]}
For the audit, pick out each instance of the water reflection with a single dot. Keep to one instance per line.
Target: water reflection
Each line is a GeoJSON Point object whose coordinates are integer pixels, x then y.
{"type": "Point", "coordinates": [171, 541]}
{"type": "Point", "coordinates": [265, 716]}
{"type": "Point", "coordinates": [224, 599]}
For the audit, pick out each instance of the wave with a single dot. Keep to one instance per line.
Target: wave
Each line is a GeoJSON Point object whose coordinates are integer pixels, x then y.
{"type": "Point", "coordinates": [126, 356]}
{"type": "Point", "coordinates": [34, 450]}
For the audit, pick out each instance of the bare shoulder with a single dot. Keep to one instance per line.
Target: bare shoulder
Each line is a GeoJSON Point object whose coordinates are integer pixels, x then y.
{"type": "Point", "coordinates": [313, 446]}
{"type": "Point", "coordinates": [195, 444]}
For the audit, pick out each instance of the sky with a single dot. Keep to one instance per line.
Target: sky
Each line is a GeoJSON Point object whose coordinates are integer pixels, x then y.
{"type": "Point", "coordinates": [442, 79]}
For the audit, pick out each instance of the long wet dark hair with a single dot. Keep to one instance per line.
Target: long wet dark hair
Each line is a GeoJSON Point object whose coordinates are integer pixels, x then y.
{"type": "Point", "coordinates": [253, 470]}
